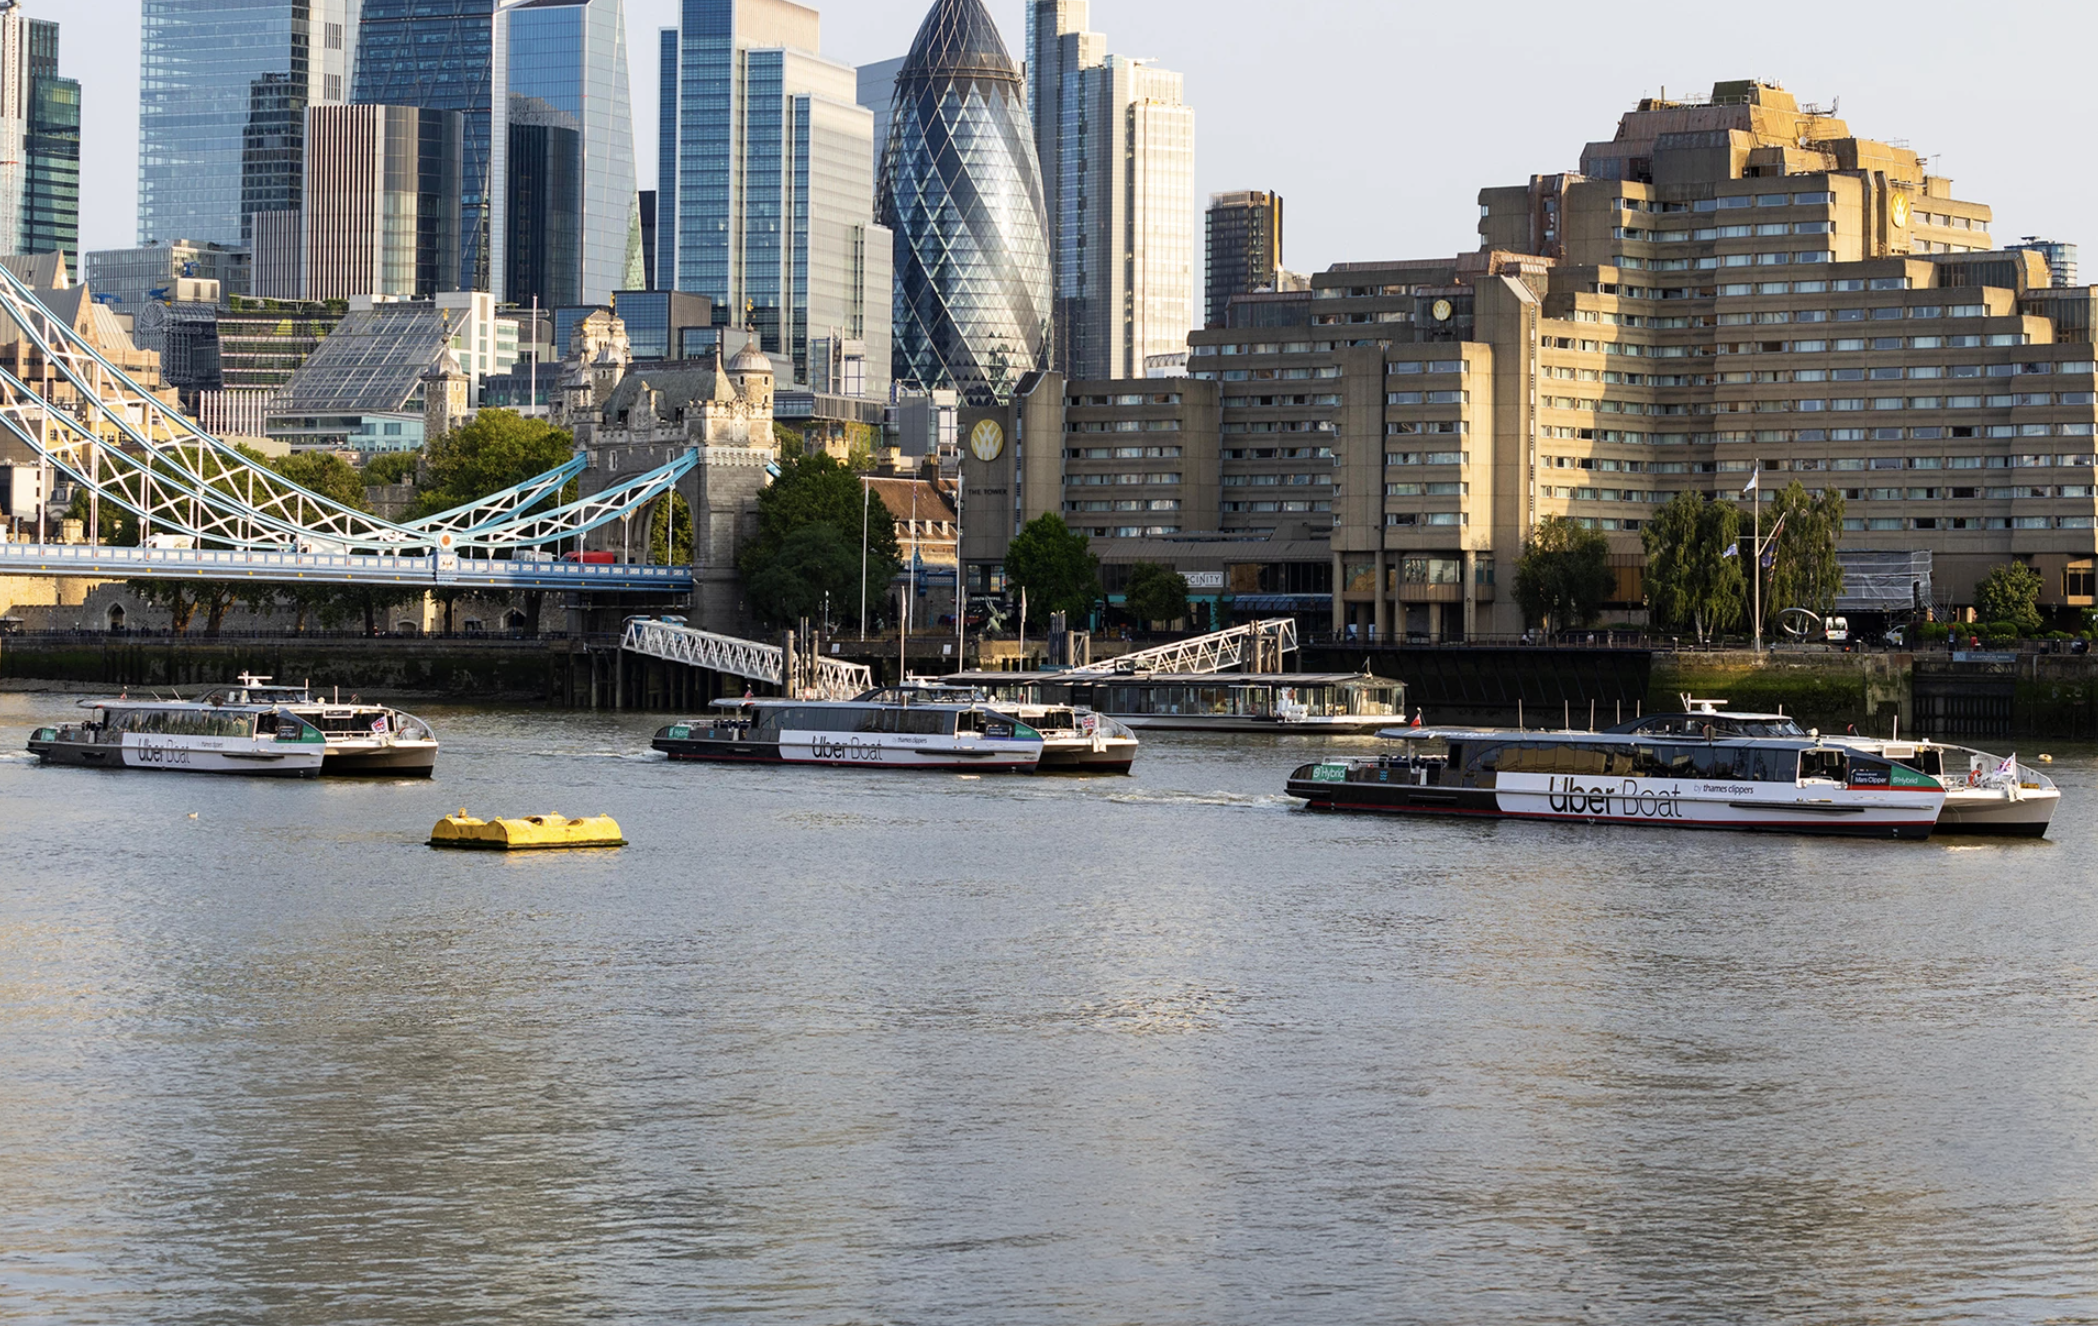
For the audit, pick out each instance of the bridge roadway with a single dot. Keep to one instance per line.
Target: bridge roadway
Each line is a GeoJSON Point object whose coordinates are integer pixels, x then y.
{"type": "Point", "coordinates": [441, 570]}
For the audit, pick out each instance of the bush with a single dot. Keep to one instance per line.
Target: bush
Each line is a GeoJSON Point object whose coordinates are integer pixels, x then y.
{"type": "Point", "coordinates": [1932, 633]}
{"type": "Point", "coordinates": [2002, 631]}
{"type": "Point", "coordinates": [2058, 636]}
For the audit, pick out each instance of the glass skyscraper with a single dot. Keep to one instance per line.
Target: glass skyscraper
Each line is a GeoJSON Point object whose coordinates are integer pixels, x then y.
{"type": "Point", "coordinates": [766, 187]}
{"type": "Point", "coordinates": [439, 55]}
{"type": "Point", "coordinates": [40, 130]}
{"type": "Point", "coordinates": [962, 190]}
{"type": "Point", "coordinates": [562, 66]}
{"type": "Point", "coordinates": [223, 89]}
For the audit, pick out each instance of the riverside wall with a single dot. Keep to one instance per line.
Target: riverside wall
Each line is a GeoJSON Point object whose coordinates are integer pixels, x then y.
{"type": "Point", "coordinates": [452, 669]}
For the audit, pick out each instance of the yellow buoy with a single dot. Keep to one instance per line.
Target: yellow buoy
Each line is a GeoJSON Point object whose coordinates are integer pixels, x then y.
{"type": "Point", "coordinates": [532, 833]}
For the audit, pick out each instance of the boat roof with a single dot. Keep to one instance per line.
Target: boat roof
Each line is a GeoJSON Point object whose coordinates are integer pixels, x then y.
{"type": "Point", "coordinates": [1172, 678]}
{"type": "Point", "coordinates": [1507, 734]}
{"type": "Point", "coordinates": [120, 702]}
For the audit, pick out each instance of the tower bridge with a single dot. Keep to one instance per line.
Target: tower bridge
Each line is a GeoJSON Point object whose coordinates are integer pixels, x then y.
{"type": "Point", "coordinates": [126, 447]}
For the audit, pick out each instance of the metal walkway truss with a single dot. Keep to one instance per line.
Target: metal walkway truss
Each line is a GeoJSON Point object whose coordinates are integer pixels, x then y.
{"type": "Point", "coordinates": [741, 658]}
{"type": "Point", "coordinates": [1256, 646]}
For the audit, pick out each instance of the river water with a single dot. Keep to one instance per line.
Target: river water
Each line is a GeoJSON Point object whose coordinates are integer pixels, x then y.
{"type": "Point", "coordinates": [852, 1048]}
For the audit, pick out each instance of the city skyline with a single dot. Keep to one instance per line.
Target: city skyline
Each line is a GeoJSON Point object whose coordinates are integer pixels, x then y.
{"type": "Point", "coordinates": [1256, 118]}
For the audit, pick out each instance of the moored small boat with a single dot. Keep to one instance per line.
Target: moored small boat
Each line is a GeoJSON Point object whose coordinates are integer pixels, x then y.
{"type": "Point", "coordinates": [181, 736]}
{"type": "Point", "coordinates": [364, 740]}
{"type": "Point", "coordinates": [1074, 740]}
{"type": "Point", "coordinates": [964, 737]}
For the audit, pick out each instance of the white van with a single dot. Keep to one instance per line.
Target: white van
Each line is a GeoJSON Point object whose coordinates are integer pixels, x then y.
{"type": "Point", "coordinates": [1838, 630]}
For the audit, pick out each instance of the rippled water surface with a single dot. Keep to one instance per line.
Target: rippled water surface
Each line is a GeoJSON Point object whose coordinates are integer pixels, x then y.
{"type": "Point", "coordinates": [875, 1048]}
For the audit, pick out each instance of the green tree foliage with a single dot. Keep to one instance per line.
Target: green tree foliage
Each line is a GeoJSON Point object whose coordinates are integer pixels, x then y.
{"type": "Point", "coordinates": [119, 528]}
{"type": "Point", "coordinates": [2010, 593]}
{"type": "Point", "coordinates": [815, 567]}
{"type": "Point", "coordinates": [1690, 579]}
{"type": "Point", "coordinates": [670, 532]}
{"type": "Point", "coordinates": [1155, 593]}
{"type": "Point", "coordinates": [817, 491]}
{"type": "Point", "coordinates": [1056, 566]}
{"type": "Point", "coordinates": [1806, 573]}
{"type": "Point", "coordinates": [184, 599]}
{"type": "Point", "coordinates": [325, 473]}
{"type": "Point", "coordinates": [1564, 576]}
{"type": "Point", "coordinates": [392, 467]}
{"type": "Point", "coordinates": [498, 450]}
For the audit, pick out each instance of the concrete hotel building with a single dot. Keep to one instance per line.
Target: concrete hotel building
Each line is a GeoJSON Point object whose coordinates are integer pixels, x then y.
{"type": "Point", "coordinates": [1725, 283]}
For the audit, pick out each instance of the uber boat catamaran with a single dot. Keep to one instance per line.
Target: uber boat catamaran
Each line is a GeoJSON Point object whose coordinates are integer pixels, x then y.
{"type": "Point", "coordinates": [364, 740]}
{"type": "Point", "coordinates": [856, 734]}
{"type": "Point", "coordinates": [1751, 772]}
{"type": "Point", "coordinates": [185, 736]}
{"type": "Point", "coordinates": [1074, 739]}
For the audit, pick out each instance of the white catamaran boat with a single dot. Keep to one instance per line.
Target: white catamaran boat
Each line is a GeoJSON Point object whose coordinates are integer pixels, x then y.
{"type": "Point", "coordinates": [1752, 772]}
{"type": "Point", "coordinates": [965, 737]}
{"type": "Point", "coordinates": [1297, 704]}
{"type": "Point", "coordinates": [1074, 740]}
{"type": "Point", "coordinates": [181, 736]}
{"type": "Point", "coordinates": [364, 740]}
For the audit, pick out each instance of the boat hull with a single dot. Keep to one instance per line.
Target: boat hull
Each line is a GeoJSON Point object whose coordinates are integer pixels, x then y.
{"type": "Point", "coordinates": [1650, 803]}
{"type": "Point", "coordinates": [1308, 727]}
{"type": "Point", "coordinates": [1993, 812]}
{"type": "Point", "coordinates": [417, 759]}
{"type": "Point", "coordinates": [167, 758]}
{"type": "Point", "coordinates": [1083, 755]}
{"type": "Point", "coordinates": [850, 753]}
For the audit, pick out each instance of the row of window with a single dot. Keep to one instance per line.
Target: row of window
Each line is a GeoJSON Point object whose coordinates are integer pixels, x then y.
{"type": "Point", "coordinates": [1250, 402]}
{"type": "Point", "coordinates": [1262, 508]}
{"type": "Point", "coordinates": [1273, 374]}
{"type": "Point", "coordinates": [1157, 504]}
{"type": "Point", "coordinates": [1886, 373]}
{"type": "Point", "coordinates": [1282, 426]}
{"type": "Point", "coordinates": [1407, 519]}
{"type": "Point", "coordinates": [1117, 480]}
{"type": "Point", "coordinates": [1415, 427]}
{"type": "Point", "coordinates": [1123, 426]}
{"type": "Point", "coordinates": [1930, 433]}
{"type": "Point", "coordinates": [1427, 458]}
{"type": "Point", "coordinates": [1277, 453]}
{"type": "Point", "coordinates": [1428, 398]}
{"type": "Point", "coordinates": [1123, 453]}
{"type": "Point", "coordinates": [1640, 350]}
{"type": "Point", "coordinates": [1160, 398]}
{"type": "Point", "coordinates": [1729, 202]}
{"type": "Point", "coordinates": [1275, 480]}
{"type": "Point", "coordinates": [1761, 230]}
{"type": "Point", "coordinates": [1409, 367]}
{"type": "Point", "coordinates": [1810, 257]}
{"type": "Point", "coordinates": [1133, 531]}
{"type": "Point", "coordinates": [2006, 401]}
{"type": "Point", "coordinates": [1608, 465]}
{"type": "Point", "coordinates": [1427, 490]}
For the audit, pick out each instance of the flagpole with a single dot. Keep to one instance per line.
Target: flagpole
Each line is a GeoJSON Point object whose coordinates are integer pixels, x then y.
{"type": "Point", "coordinates": [1757, 483]}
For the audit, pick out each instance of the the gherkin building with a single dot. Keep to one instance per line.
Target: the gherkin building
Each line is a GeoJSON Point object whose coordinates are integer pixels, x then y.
{"type": "Point", "coordinates": [962, 190]}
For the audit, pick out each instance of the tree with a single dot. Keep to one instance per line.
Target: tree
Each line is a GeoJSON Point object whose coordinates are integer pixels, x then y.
{"type": "Point", "coordinates": [813, 569]}
{"type": "Point", "coordinates": [818, 491]}
{"type": "Point", "coordinates": [392, 467]}
{"type": "Point", "coordinates": [2010, 593]}
{"type": "Point", "coordinates": [325, 473]}
{"type": "Point", "coordinates": [1804, 572]}
{"type": "Point", "coordinates": [670, 532]}
{"type": "Point", "coordinates": [1155, 593]}
{"type": "Point", "coordinates": [1564, 576]}
{"type": "Point", "coordinates": [184, 599]}
{"type": "Point", "coordinates": [1694, 560]}
{"type": "Point", "coordinates": [119, 528]}
{"type": "Point", "coordinates": [499, 449]}
{"type": "Point", "coordinates": [1056, 567]}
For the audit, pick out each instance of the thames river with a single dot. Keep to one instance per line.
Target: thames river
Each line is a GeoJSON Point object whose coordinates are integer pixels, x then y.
{"type": "Point", "coordinates": [863, 1049]}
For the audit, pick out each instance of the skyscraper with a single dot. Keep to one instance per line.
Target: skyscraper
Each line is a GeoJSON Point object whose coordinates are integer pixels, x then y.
{"type": "Point", "coordinates": [223, 91]}
{"type": "Point", "coordinates": [1117, 143]}
{"type": "Point", "coordinates": [1245, 247]}
{"type": "Point", "coordinates": [439, 55]}
{"type": "Point", "coordinates": [766, 185]}
{"type": "Point", "coordinates": [962, 191]}
{"type": "Point", "coordinates": [561, 65]}
{"type": "Point", "coordinates": [878, 94]}
{"type": "Point", "coordinates": [381, 201]}
{"type": "Point", "coordinates": [39, 139]}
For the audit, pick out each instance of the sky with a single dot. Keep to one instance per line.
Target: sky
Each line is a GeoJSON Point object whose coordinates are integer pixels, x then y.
{"type": "Point", "coordinates": [1380, 120]}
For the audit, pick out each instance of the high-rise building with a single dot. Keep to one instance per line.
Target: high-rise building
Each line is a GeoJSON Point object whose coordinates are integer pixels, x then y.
{"type": "Point", "coordinates": [1245, 247]}
{"type": "Point", "coordinates": [39, 140]}
{"type": "Point", "coordinates": [647, 212]}
{"type": "Point", "coordinates": [132, 278]}
{"type": "Point", "coordinates": [562, 89]}
{"type": "Point", "coordinates": [223, 91]}
{"type": "Point", "coordinates": [2061, 258]}
{"type": "Point", "coordinates": [1117, 142]}
{"type": "Point", "coordinates": [381, 201]}
{"type": "Point", "coordinates": [439, 55]}
{"type": "Point", "coordinates": [766, 187]}
{"type": "Point", "coordinates": [878, 94]}
{"type": "Point", "coordinates": [962, 191]}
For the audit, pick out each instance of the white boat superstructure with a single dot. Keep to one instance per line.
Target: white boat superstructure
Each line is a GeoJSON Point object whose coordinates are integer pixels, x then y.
{"type": "Point", "coordinates": [970, 738]}
{"type": "Point", "coordinates": [364, 740]}
{"type": "Point", "coordinates": [179, 736]}
{"type": "Point", "coordinates": [1074, 738]}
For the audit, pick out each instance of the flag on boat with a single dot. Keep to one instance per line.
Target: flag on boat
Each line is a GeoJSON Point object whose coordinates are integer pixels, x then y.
{"type": "Point", "coordinates": [379, 725]}
{"type": "Point", "coordinates": [2009, 766]}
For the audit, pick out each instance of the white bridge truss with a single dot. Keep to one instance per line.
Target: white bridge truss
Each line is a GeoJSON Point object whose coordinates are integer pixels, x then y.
{"type": "Point", "coordinates": [1257, 646]}
{"type": "Point", "coordinates": [128, 448]}
{"type": "Point", "coordinates": [742, 658]}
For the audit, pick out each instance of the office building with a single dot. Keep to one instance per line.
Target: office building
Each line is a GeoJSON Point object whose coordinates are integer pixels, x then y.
{"type": "Point", "coordinates": [223, 91]}
{"type": "Point", "coordinates": [2060, 257]}
{"type": "Point", "coordinates": [362, 388]}
{"type": "Point", "coordinates": [131, 278]}
{"type": "Point", "coordinates": [647, 211]}
{"type": "Point", "coordinates": [382, 194]}
{"type": "Point", "coordinates": [878, 94]}
{"type": "Point", "coordinates": [766, 195]}
{"type": "Point", "coordinates": [567, 228]}
{"type": "Point", "coordinates": [439, 55]}
{"type": "Point", "coordinates": [40, 126]}
{"type": "Point", "coordinates": [962, 191]}
{"type": "Point", "coordinates": [1244, 232]}
{"type": "Point", "coordinates": [660, 323]}
{"type": "Point", "coordinates": [1117, 143]}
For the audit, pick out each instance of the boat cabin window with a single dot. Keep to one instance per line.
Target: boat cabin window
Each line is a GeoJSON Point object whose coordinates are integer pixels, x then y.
{"type": "Point", "coordinates": [1721, 725]}
{"type": "Point", "coordinates": [184, 723]}
{"type": "Point", "coordinates": [1930, 762]}
{"type": "Point", "coordinates": [1638, 760]}
{"type": "Point", "coordinates": [1830, 765]}
{"type": "Point", "coordinates": [868, 719]}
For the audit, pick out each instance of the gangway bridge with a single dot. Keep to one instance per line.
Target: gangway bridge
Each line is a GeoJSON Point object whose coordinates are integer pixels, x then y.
{"type": "Point", "coordinates": [125, 447]}
{"type": "Point", "coordinates": [1253, 647]}
{"type": "Point", "coordinates": [672, 643]}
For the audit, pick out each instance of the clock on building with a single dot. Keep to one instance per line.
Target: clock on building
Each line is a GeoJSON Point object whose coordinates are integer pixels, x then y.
{"type": "Point", "coordinates": [987, 440]}
{"type": "Point", "coordinates": [1441, 310]}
